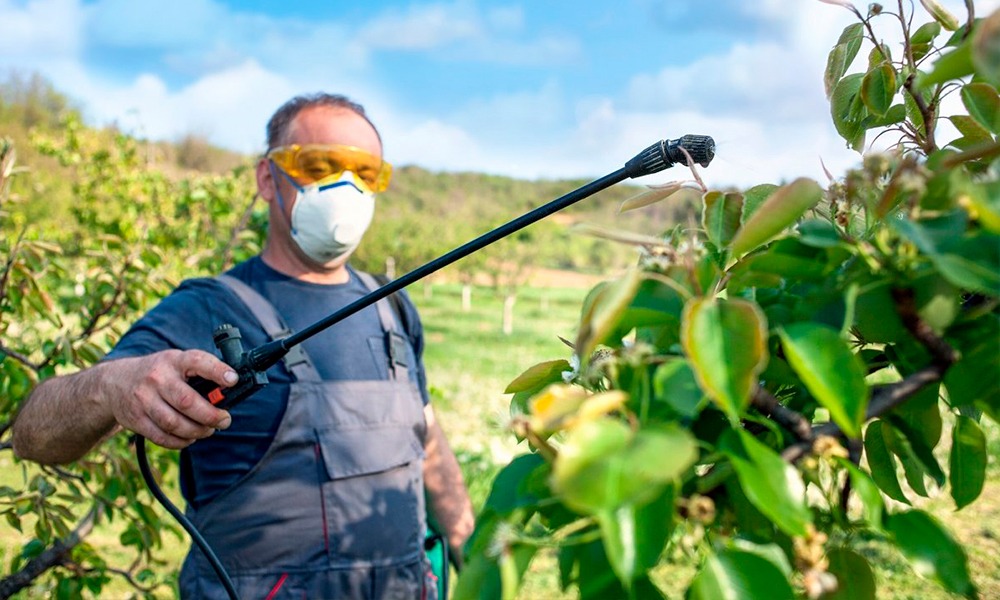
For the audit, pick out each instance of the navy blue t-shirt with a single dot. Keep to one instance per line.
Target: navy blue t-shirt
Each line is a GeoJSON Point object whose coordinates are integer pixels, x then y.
{"type": "Point", "coordinates": [353, 349]}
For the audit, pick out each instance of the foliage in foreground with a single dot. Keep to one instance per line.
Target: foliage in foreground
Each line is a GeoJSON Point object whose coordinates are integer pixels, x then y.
{"type": "Point", "coordinates": [763, 393]}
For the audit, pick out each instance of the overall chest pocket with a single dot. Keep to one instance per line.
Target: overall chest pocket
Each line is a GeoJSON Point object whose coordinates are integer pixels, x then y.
{"type": "Point", "coordinates": [372, 492]}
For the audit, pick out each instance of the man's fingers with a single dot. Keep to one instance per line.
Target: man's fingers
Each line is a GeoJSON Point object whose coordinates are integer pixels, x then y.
{"type": "Point", "coordinates": [176, 423]}
{"type": "Point", "coordinates": [149, 430]}
{"type": "Point", "coordinates": [187, 401]}
{"type": "Point", "coordinates": [202, 364]}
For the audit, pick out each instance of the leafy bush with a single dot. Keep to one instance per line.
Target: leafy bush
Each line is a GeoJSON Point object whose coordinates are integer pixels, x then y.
{"type": "Point", "coordinates": [68, 289]}
{"type": "Point", "coordinates": [750, 393]}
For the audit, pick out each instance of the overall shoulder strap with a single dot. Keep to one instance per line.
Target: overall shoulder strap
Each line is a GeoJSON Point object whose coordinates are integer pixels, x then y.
{"type": "Point", "coordinates": [296, 361]}
{"type": "Point", "coordinates": [395, 339]}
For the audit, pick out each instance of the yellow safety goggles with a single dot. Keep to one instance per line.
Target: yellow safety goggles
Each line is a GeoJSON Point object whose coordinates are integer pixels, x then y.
{"type": "Point", "coordinates": [317, 163]}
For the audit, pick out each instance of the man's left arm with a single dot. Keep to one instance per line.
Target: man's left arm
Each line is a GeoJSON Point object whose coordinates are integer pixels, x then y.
{"type": "Point", "coordinates": [449, 504]}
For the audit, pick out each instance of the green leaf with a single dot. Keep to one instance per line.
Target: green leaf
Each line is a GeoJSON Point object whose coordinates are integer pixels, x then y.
{"type": "Point", "coordinates": [726, 344]}
{"type": "Point", "coordinates": [772, 485]}
{"type": "Point", "coordinates": [842, 55]}
{"type": "Point", "coordinates": [875, 315]}
{"type": "Point", "coordinates": [538, 376]}
{"type": "Point", "coordinates": [968, 274]}
{"type": "Point", "coordinates": [606, 307]}
{"type": "Point", "coordinates": [881, 462]}
{"type": "Point", "coordinates": [926, 33]}
{"type": "Point", "coordinates": [635, 536]}
{"type": "Point", "coordinates": [913, 469]}
{"type": "Point", "coordinates": [487, 578]}
{"type": "Point", "coordinates": [721, 216]}
{"type": "Point", "coordinates": [830, 371]}
{"type": "Point", "coordinates": [655, 313]}
{"type": "Point", "coordinates": [603, 465]}
{"type": "Point", "coordinates": [779, 211]}
{"type": "Point", "coordinates": [983, 103]}
{"type": "Point", "coordinates": [507, 492]}
{"type": "Point", "coordinates": [909, 442]}
{"type": "Point", "coordinates": [969, 261]}
{"type": "Point", "coordinates": [674, 383]}
{"type": "Point", "coordinates": [986, 48]}
{"type": "Point", "coordinates": [787, 258]}
{"type": "Point", "coordinates": [972, 380]}
{"type": "Point", "coordinates": [953, 65]}
{"type": "Point", "coordinates": [844, 112]}
{"type": "Point", "coordinates": [868, 491]}
{"type": "Point", "coordinates": [968, 461]}
{"type": "Point", "coordinates": [738, 575]}
{"type": "Point", "coordinates": [878, 88]}
{"type": "Point", "coordinates": [754, 198]}
{"type": "Point", "coordinates": [931, 550]}
{"type": "Point", "coordinates": [973, 134]}
{"type": "Point", "coordinates": [855, 579]}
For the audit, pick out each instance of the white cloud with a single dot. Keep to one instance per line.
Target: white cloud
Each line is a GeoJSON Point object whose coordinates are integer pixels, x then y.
{"type": "Point", "coordinates": [229, 107]}
{"type": "Point", "coordinates": [433, 144]}
{"type": "Point", "coordinates": [421, 28]}
{"type": "Point", "coordinates": [37, 32]}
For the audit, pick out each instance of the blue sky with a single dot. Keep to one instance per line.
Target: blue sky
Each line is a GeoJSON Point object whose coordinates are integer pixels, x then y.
{"type": "Point", "coordinates": [528, 89]}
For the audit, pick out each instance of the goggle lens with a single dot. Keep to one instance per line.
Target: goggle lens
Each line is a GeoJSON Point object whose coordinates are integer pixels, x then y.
{"type": "Point", "coordinates": [316, 163]}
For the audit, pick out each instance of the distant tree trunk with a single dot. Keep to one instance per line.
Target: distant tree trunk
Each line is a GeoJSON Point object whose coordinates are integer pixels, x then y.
{"type": "Point", "coordinates": [428, 290]}
{"type": "Point", "coordinates": [544, 304]}
{"type": "Point", "coordinates": [508, 313]}
{"type": "Point", "coordinates": [390, 267]}
{"type": "Point", "coordinates": [466, 297]}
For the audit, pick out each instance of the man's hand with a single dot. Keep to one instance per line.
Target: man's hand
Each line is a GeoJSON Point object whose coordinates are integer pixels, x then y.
{"type": "Point", "coordinates": [155, 401]}
{"type": "Point", "coordinates": [67, 416]}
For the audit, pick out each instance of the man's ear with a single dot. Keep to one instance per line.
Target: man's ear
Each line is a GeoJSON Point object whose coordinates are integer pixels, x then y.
{"type": "Point", "coordinates": [265, 180]}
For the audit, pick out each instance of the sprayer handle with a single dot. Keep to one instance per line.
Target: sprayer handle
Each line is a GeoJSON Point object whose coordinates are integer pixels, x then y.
{"type": "Point", "coordinates": [227, 397]}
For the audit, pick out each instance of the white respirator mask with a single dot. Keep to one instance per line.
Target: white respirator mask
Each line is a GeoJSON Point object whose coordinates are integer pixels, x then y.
{"type": "Point", "coordinates": [330, 218]}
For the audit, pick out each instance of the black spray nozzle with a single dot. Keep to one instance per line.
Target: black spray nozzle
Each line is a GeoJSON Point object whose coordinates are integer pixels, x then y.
{"type": "Point", "coordinates": [666, 153]}
{"type": "Point", "coordinates": [230, 344]}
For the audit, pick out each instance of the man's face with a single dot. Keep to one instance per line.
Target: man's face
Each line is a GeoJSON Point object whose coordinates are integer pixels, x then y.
{"type": "Point", "coordinates": [322, 125]}
{"type": "Point", "coordinates": [315, 125]}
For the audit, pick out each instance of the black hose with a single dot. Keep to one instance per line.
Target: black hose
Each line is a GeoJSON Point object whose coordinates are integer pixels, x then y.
{"type": "Point", "coordinates": [147, 475]}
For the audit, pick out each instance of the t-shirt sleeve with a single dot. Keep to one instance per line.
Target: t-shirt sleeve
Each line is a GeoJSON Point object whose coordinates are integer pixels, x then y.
{"type": "Point", "coordinates": [182, 320]}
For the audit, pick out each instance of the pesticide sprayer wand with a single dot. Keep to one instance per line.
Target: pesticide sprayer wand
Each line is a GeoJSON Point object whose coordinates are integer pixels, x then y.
{"type": "Point", "coordinates": [251, 365]}
{"type": "Point", "coordinates": [657, 157]}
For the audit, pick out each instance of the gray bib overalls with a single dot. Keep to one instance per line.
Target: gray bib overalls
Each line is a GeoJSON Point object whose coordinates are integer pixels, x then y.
{"type": "Point", "coordinates": [335, 507]}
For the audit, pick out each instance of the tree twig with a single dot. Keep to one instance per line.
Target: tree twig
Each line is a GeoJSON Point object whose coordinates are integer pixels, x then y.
{"type": "Point", "coordinates": [791, 420]}
{"type": "Point", "coordinates": [943, 354]}
{"type": "Point", "coordinates": [884, 399]}
{"type": "Point", "coordinates": [53, 556]}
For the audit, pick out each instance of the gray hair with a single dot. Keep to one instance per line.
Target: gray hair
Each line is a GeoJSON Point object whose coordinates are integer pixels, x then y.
{"type": "Point", "coordinates": [277, 126]}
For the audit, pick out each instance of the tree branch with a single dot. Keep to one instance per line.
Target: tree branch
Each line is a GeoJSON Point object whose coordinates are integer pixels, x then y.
{"type": "Point", "coordinates": [791, 420]}
{"type": "Point", "coordinates": [53, 556]}
{"type": "Point", "coordinates": [884, 399]}
{"type": "Point", "coordinates": [21, 358]}
{"type": "Point", "coordinates": [942, 353]}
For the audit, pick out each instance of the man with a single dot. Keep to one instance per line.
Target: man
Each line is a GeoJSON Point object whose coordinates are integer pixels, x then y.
{"type": "Point", "coordinates": [314, 486]}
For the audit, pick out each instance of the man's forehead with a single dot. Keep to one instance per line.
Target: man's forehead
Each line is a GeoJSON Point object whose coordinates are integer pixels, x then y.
{"type": "Point", "coordinates": [326, 124]}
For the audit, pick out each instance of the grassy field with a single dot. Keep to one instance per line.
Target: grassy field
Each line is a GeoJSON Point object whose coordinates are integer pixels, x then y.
{"type": "Point", "coordinates": [470, 361]}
